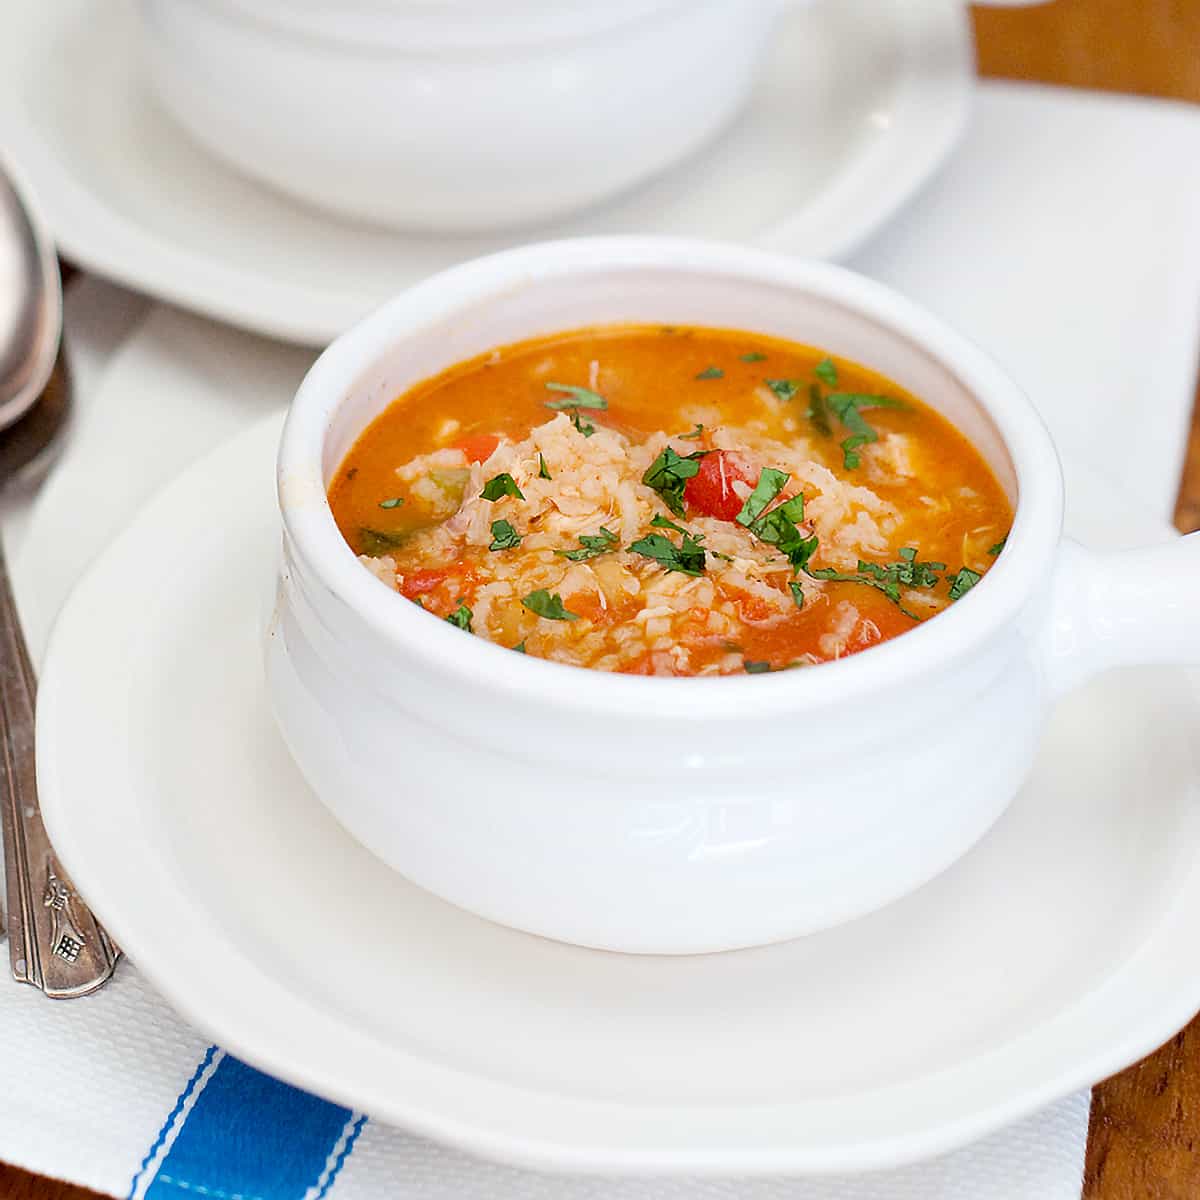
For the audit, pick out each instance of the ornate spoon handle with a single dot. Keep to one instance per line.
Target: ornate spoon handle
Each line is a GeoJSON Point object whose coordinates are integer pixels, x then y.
{"type": "Point", "coordinates": [54, 941]}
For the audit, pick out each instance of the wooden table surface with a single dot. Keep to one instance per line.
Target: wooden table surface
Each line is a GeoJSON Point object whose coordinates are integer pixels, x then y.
{"type": "Point", "coordinates": [1144, 1140]}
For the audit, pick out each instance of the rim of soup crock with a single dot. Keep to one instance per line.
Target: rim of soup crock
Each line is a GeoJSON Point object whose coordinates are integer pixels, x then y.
{"type": "Point", "coordinates": [445, 25]}
{"type": "Point", "coordinates": [998, 600]}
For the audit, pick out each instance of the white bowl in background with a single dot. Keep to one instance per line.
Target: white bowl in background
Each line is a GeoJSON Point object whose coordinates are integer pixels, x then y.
{"type": "Point", "coordinates": [472, 116]}
{"type": "Point", "coordinates": [686, 815]}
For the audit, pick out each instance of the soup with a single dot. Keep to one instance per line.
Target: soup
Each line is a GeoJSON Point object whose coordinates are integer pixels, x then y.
{"type": "Point", "coordinates": [670, 501]}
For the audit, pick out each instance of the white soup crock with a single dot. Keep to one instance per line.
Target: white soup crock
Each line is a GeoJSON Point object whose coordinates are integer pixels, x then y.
{"type": "Point", "coordinates": [430, 116]}
{"type": "Point", "coordinates": [684, 815]}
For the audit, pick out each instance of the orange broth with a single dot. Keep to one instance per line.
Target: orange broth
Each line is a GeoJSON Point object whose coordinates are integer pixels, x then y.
{"type": "Point", "coordinates": [672, 379]}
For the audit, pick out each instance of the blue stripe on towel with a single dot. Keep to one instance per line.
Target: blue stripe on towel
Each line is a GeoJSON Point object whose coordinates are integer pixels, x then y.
{"type": "Point", "coordinates": [237, 1134]}
{"type": "Point", "coordinates": [157, 1149]}
{"type": "Point", "coordinates": [337, 1159]}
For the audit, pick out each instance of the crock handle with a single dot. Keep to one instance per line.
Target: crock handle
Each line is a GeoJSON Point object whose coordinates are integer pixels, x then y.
{"type": "Point", "coordinates": [1123, 608]}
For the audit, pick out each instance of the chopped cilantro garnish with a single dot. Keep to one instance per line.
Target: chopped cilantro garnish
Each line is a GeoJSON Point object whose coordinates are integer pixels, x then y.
{"type": "Point", "coordinates": [392, 502]}
{"type": "Point", "coordinates": [668, 475]}
{"type": "Point", "coordinates": [591, 546]}
{"type": "Point", "coordinates": [501, 485]}
{"type": "Point", "coordinates": [520, 646]}
{"type": "Point", "coordinates": [817, 413]}
{"type": "Point", "coordinates": [661, 522]}
{"type": "Point", "coordinates": [756, 668]}
{"type": "Point", "coordinates": [770, 484]}
{"type": "Point", "coordinates": [847, 407]}
{"type": "Point", "coordinates": [688, 558]}
{"type": "Point", "coordinates": [793, 509]}
{"type": "Point", "coordinates": [785, 389]}
{"type": "Point", "coordinates": [578, 397]}
{"type": "Point", "coordinates": [548, 606]}
{"type": "Point", "coordinates": [963, 582]}
{"type": "Point", "coordinates": [910, 571]}
{"type": "Point", "coordinates": [722, 557]}
{"type": "Point", "coordinates": [779, 528]}
{"type": "Point", "coordinates": [543, 472]}
{"type": "Point", "coordinates": [889, 578]}
{"type": "Point", "coordinates": [795, 547]}
{"type": "Point", "coordinates": [826, 372]}
{"type": "Point", "coordinates": [889, 588]}
{"type": "Point", "coordinates": [994, 550]}
{"type": "Point", "coordinates": [375, 542]}
{"type": "Point", "coordinates": [711, 373]}
{"type": "Point", "coordinates": [696, 433]}
{"type": "Point", "coordinates": [754, 356]}
{"type": "Point", "coordinates": [797, 593]}
{"type": "Point", "coordinates": [504, 536]}
{"type": "Point", "coordinates": [460, 618]}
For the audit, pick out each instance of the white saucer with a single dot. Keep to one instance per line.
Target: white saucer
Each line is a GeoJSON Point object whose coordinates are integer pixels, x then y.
{"type": "Point", "coordinates": [1054, 954]}
{"type": "Point", "coordinates": [862, 101]}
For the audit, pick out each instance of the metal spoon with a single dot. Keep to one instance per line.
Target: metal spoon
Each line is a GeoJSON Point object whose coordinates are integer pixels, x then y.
{"type": "Point", "coordinates": [54, 941]}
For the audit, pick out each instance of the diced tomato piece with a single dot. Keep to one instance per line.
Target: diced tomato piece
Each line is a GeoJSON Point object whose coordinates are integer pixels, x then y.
{"type": "Point", "coordinates": [478, 447]}
{"type": "Point", "coordinates": [419, 583]}
{"type": "Point", "coordinates": [710, 490]}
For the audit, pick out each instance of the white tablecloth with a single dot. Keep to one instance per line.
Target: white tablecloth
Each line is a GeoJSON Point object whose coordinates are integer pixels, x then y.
{"type": "Point", "coordinates": [1064, 236]}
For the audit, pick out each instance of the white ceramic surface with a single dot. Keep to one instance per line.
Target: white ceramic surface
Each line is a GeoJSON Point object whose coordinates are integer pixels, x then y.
{"type": "Point", "coordinates": [432, 120]}
{"type": "Point", "coordinates": [819, 159]}
{"type": "Point", "coordinates": [1047, 958]}
{"type": "Point", "coordinates": [723, 813]}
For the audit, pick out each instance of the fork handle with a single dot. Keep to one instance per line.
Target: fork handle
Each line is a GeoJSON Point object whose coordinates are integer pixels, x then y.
{"type": "Point", "coordinates": [55, 943]}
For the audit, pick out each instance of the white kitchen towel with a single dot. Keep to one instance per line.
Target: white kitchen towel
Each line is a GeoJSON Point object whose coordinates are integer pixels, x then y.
{"type": "Point", "coordinates": [1064, 236]}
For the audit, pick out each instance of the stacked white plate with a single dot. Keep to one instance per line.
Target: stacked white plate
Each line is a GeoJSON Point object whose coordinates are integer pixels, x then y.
{"type": "Point", "coordinates": [831, 143]}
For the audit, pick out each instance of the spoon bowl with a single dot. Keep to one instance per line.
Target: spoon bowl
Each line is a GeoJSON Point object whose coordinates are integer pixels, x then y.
{"type": "Point", "coordinates": [30, 300]}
